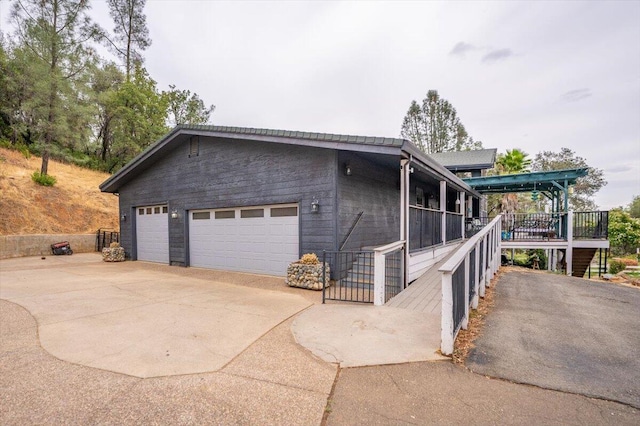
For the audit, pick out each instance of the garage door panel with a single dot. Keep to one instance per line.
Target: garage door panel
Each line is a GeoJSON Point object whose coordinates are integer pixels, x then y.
{"type": "Point", "coordinates": [250, 244]}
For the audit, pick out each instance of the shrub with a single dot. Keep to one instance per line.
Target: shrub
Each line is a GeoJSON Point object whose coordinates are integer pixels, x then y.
{"type": "Point", "coordinates": [616, 266]}
{"type": "Point", "coordinates": [309, 259]}
{"type": "Point", "coordinates": [114, 244]}
{"type": "Point", "coordinates": [627, 261]}
{"type": "Point", "coordinates": [44, 180]}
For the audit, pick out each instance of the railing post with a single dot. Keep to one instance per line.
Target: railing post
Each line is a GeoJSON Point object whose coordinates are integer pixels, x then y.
{"type": "Point", "coordinates": [446, 325]}
{"type": "Point", "coordinates": [324, 274]}
{"type": "Point", "coordinates": [479, 290]}
{"type": "Point", "coordinates": [378, 278]}
{"type": "Point", "coordinates": [485, 261]}
{"type": "Point", "coordinates": [465, 320]}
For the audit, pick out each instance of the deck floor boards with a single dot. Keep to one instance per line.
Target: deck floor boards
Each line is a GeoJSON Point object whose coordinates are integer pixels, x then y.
{"type": "Point", "coordinates": [425, 294]}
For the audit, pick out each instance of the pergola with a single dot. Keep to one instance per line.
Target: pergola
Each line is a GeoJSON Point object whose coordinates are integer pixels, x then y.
{"type": "Point", "coordinates": [552, 184]}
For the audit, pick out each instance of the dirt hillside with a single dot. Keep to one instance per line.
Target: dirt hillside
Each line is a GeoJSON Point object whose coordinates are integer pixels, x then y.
{"type": "Point", "coordinates": [74, 205]}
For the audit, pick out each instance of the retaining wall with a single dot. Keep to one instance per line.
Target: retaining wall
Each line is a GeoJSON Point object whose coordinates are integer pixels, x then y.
{"type": "Point", "coordinates": [40, 245]}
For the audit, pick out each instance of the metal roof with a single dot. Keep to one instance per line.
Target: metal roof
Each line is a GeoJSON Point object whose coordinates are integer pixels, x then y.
{"type": "Point", "coordinates": [326, 137]}
{"type": "Point", "coordinates": [526, 182]}
{"type": "Point", "coordinates": [461, 161]}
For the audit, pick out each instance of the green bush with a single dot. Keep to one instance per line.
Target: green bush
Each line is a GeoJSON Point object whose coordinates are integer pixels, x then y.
{"type": "Point", "coordinates": [616, 266]}
{"type": "Point", "coordinates": [44, 180]}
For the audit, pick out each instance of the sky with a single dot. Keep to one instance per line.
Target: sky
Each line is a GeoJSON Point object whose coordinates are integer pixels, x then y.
{"type": "Point", "coordinates": [533, 75]}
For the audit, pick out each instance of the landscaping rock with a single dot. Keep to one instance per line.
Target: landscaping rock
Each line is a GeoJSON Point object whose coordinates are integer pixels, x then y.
{"type": "Point", "coordinates": [306, 276]}
{"type": "Point", "coordinates": [113, 254]}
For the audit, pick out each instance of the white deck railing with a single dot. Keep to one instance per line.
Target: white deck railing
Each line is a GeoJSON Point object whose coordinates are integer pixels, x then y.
{"type": "Point", "coordinates": [380, 275]}
{"type": "Point", "coordinates": [464, 278]}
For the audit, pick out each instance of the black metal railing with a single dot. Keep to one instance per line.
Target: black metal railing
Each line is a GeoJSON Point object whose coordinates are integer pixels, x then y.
{"type": "Point", "coordinates": [534, 226]}
{"type": "Point", "coordinates": [351, 276]}
{"type": "Point", "coordinates": [453, 226]}
{"type": "Point", "coordinates": [481, 262]}
{"type": "Point", "coordinates": [458, 297]}
{"type": "Point", "coordinates": [104, 238]}
{"type": "Point", "coordinates": [591, 225]}
{"type": "Point", "coordinates": [473, 225]}
{"type": "Point", "coordinates": [351, 229]}
{"type": "Point", "coordinates": [393, 274]}
{"type": "Point", "coordinates": [472, 274]}
{"type": "Point", "coordinates": [425, 228]}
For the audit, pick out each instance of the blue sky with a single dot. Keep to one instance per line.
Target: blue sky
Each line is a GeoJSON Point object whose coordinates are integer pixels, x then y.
{"type": "Point", "coordinates": [530, 75]}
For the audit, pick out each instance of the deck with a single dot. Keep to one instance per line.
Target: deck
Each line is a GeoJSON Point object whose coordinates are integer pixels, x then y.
{"type": "Point", "coordinates": [425, 293]}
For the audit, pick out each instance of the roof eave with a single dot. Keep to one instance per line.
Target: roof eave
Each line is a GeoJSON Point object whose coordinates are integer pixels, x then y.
{"type": "Point", "coordinates": [437, 169]}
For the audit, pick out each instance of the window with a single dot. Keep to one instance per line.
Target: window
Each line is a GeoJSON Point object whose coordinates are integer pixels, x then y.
{"type": "Point", "coordinates": [201, 215]}
{"type": "Point", "coordinates": [194, 146]}
{"type": "Point", "coordinates": [284, 211]}
{"type": "Point", "coordinates": [165, 209]}
{"type": "Point", "coordinates": [156, 210]}
{"type": "Point", "coordinates": [226, 214]}
{"type": "Point", "coordinates": [419, 197]}
{"type": "Point", "coordinates": [251, 213]}
{"type": "Point", "coordinates": [148, 210]}
{"type": "Point", "coordinates": [140, 212]}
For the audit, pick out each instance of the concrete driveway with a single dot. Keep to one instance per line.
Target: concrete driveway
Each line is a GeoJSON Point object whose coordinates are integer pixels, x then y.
{"type": "Point", "coordinates": [146, 320]}
{"type": "Point", "coordinates": [563, 333]}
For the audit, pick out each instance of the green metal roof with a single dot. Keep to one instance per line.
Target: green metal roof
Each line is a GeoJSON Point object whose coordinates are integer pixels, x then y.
{"type": "Point", "coordinates": [526, 182]}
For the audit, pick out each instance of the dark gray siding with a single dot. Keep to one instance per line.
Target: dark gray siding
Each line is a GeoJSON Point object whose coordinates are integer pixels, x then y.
{"type": "Point", "coordinates": [373, 188]}
{"type": "Point", "coordinates": [232, 173]}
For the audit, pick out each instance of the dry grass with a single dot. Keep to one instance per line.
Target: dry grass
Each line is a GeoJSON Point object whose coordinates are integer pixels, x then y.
{"type": "Point", "coordinates": [74, 205]}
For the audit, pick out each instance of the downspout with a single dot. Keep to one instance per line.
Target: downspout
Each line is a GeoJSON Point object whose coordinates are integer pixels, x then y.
{"type": "Point", "coordinates": [405, 165]}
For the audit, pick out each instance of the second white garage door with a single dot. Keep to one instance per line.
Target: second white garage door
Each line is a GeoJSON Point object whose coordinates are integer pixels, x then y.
{"type": "Point", "coordinates": [261, 239]}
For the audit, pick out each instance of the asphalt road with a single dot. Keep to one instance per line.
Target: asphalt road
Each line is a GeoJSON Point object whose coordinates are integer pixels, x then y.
{"type": "Point", "coordinates": [563, 333]}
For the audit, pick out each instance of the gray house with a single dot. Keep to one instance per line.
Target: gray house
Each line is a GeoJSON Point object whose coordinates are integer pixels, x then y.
{"type": "Point", "coordinates": [254, 200]}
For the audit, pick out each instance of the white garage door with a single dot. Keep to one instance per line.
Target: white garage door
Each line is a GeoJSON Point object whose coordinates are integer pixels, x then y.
{"type": "Point", "coordinates": [261, 239]}
{"type": "Point", "coordinates": [152, 233]}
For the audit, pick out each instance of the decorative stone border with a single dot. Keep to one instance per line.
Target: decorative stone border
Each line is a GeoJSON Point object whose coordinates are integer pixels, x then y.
{"type": "Point", "coordinates": [306, 276]}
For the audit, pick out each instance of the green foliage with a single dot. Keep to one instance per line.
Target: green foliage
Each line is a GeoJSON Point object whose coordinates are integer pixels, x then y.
{"type": "Point", "coordinates": [634, 207]}
{"type": "Point", "coordinates": [624, 232]}
{"type": "Point", "coordinates": [44, 180]}
{"type": "Point", "coordinates": [54, 37]}
{"type": "Point", "coordinates": [186, 108]}
{"type": "Point", "coordinates": [434, 126]}
{"type": "Point", "coordinates": [586, 187]}
{"type": "Point", "coordinates": [616, 266]}
{"type": "Point", "coordinates": [59, 100]}
{"type": "Point", "coordinates": [513, 161]}
{"type": "Point", "coordinates": [131, 35]}
{"type": "Point", "coordinates": [526, 259]}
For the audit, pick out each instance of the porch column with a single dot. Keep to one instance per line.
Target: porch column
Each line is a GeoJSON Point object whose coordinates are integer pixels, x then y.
{"type": "Point", "coordinates": [463, 205]}
{"type": "Point", "coordinates": [404, 215]}
{"type": "Point", "coordinates": [443, 210]}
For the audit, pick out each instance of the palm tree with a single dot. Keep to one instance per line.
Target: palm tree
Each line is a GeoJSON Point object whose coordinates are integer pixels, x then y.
{"type": "Point", "coordinates": [513, 162]}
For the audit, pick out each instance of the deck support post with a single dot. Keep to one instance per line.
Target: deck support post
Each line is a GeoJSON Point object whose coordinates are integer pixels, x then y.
{"type": "Point", "coordinates": [569, 255]}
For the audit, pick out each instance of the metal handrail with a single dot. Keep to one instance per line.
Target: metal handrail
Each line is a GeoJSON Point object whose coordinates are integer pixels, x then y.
{"type": "Point", "coordinates": [353, 227]}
